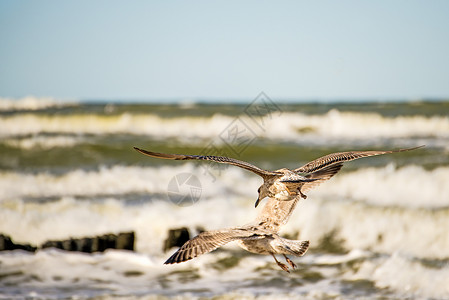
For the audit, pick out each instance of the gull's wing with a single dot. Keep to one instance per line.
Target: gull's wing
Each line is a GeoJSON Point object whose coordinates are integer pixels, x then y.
{"type": "Point", "coordinates": [275, 213]}
{"type": "Point", "coordinates": [336, 158]}
{"type": "Point", "coordinates": [321, 176]}
{"type": "Point", "coordinates": [218, 159]}
{"type": "Point", "coordinates": [210, 240]}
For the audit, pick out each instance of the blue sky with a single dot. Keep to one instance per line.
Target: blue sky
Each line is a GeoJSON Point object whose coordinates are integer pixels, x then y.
{"type": "Point", "coordinates": [320, 50]}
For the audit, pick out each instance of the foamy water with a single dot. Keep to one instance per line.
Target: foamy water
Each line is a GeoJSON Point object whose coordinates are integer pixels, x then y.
{"type": "Point", "coordinates": [128, 274]}
{"type": "Point", "coordinates": [334, 127]}
{"type": "Point", "coordinates": [375, 186]}
{"type": "Point", "coordinates": [377, 229]}
{"type": "Point", "coordinates": [31, 103]}
{"type": "Point", "coordinates": [388, 236]}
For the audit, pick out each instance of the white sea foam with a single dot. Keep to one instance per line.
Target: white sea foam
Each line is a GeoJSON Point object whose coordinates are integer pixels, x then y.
{"type": "Point", "coordinates": [406, 276]}
{"type": "Point", "coordinates": [61, 219]}
{"type": "Point", "coordinates": [35, 223]}
{"type": "Point", "coordinates": [104, 124]}
{"type": "Point", "coordinates": [75, 275]}
{"type": "Point", "coordinates": [127, 274]}
{"type": "Point", "coordinates": [44, 142]}
{"type": "Point", "coordinates": [415, 226]}
{"type": "Point", "coordinates": [58, 274]}
{"type": "Point", "coordinates": [119, 180]}
{"type": "Point", "coordinates": [116, 180]}
{"type": "Point", "coordinates": [387, 237]}
{"type": "Point", "coordinates": [382, 209]}
{"type": "Point", "coordinates": [410, 186]}
{"type": "Point", "coordinates": [31, 103]}
{"type": "Point", "coordinates": [392, 221]}
{"type": "Point", "coordinates": [355, 124]}
{"type": "Point", "coordinates": [332, 127]}
{"type": "Point", "coordinates": [417, 232]}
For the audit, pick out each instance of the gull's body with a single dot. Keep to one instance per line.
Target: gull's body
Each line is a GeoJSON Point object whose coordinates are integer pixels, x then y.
{"type": "Point", "coordinates": [285, 184]}
{"type": "Point", "coordinates": [260, 236]}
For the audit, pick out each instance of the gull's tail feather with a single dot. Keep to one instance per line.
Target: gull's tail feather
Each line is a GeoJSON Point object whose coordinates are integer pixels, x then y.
{"type": "Point", "coordinates": [292, 247]}
{"type": "Point", "coordinates": [299, 247]}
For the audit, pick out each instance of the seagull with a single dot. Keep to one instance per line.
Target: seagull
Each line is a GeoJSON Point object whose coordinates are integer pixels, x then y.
{"type": "Point", "coordinates": [285, 184]}
{"type": "Point", "coordinates": [260, 237]}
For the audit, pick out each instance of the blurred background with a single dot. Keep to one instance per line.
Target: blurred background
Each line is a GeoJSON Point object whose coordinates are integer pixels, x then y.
{"type": "Point", "coordinates": [274, 84]}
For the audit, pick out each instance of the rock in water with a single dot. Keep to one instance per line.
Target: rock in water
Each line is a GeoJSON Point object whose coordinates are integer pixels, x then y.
{"type": "Point", "coordinates": [7, 244]}
{"type": "Point", "coordinates": [123, 241]}
{"type": "Point", "coordinates": [176, 238]}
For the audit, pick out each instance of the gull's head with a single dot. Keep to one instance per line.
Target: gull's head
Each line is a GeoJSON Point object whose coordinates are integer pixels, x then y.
{"type": "Point", "coordinates": [263, 192]}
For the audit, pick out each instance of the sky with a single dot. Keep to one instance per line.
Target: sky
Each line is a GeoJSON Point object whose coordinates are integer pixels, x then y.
{"type": "Point", "coordinates": [224, 50]}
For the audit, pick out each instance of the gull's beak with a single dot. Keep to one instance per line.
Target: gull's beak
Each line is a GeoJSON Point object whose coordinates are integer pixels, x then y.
{"type": "Point", "coordinates": [257, 202]}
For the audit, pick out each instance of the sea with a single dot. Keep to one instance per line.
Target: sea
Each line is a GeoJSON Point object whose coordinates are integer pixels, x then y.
{"type": "Point", "coordinates": [379, 229]}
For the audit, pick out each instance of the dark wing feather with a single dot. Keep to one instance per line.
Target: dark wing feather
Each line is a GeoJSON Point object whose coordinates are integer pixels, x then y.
{"type": "Point", "coordinates": [208, 241]}
{"type": "Point", "coordinates": [218, 159]}
{"type": "Point", "coordinates": [335, 158]}
{"type": "Point", "coordinates": [321, 176]}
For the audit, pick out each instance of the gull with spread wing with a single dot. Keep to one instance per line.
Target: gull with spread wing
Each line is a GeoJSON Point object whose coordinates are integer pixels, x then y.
{"type": "Point", "coordinates": [260, 236]}
{"type": "Point", "coordinates": [285, 184]}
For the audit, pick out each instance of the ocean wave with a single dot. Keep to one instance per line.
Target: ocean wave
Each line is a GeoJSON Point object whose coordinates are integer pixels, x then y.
{"type": "Point", "coordinates": [410, 186]}
{"type": "Point", "coordinates": [31, 103]}
{"type": "Point", "coordinates": [419, 232]}
{"type": "Point", "coordinates": [352, 124]}
{"type": "Point", "coordinates": [351, 225]}
{"type": "Point", "coordinates": [406, 276]}
{"type": "Point", "coordinates": [120, 180]}
{"type": "Point", "coordinates": [333, 126]}
{"type": "Point", "coordinates": [358, 274]}
{"type": "Point", "coordinates": [392, 220]}
{"type": "Point", "coordinates": [44, 142]}
{"type": "Point", "coordinates": [67, 217]}
{"type": "Point", "coordinates": [116, 180]}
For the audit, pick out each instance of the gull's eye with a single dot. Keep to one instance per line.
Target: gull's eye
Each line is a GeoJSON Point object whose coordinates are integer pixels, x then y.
{"type": "Point", "coordinates": [258, 190]}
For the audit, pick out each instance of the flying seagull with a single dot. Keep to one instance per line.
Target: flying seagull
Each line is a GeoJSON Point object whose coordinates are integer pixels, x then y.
{"type": "Point", "coordinates": [260, 237]}
{"type": "Point", "coordinates": [285, 184]}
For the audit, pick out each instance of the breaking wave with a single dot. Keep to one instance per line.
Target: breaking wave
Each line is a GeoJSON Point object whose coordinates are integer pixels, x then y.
{"type": "Point", "coordinates": [69, 172]}
{"type": "Point", "coordinates": [332, 127]}
{"type": "Point", "coordinates": [250, 277]}
{"type": "Point", "coordinates": [31, 103]}
{"type": "Point", "coordinates": [381, 209]}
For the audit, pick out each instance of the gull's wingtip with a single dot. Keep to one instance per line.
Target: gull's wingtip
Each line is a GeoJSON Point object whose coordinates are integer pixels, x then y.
{"type": "Point", "coordinates": [171, 260]}
{"type": "Point", "coordinates": [410, 149]}
{"type": "Point", "coordinates": [145, 152]}
{"type": "Point", "coordinates": [139, 150]}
